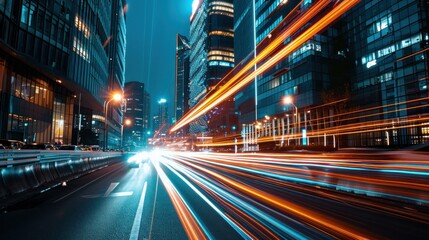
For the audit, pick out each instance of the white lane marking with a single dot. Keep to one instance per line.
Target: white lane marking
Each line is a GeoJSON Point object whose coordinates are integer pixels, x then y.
{"type": "Point", "coordinates": [110, 189]}
{"type": "Point", "coordinates": [116, 194]}
{"type": "Point", "coordinates": [138, 218]}
{"type": "Point", "coordinates": [61, 198]}
{"type": "Point", "coordinates": [154, 206]}
{"type": "Point", "coordinates": [121, 194]}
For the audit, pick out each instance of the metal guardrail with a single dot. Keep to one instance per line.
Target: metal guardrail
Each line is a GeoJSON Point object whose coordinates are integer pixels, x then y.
{"type": "Point", "coordinates": [20, 157]}
{"type": "Point", "coordinates": [23, 170]}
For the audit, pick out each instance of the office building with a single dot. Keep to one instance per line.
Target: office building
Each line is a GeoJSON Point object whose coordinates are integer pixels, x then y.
{"type": "Point", "coordinates": [51, 55]}
{"type": "Point", "coordinates": [134, 125]}
{"type": "Point", "coordinates": [34, 61]}
{"type": "Point", "coordinates": [244, 45]}
{"type": "Point", "coordinates": [181, 102]}
{"type": "Point", "coordinates": [116, 45]}
{"type": "Point", "coordinates": [388, 45]}
{"type": "Point", "coordinates": [368, 68]}
{"type": "Point", "coordinates": [211, 58]}
{"type": "Point", "coordinates": [147, 128]}
{"type": "Point", "coordinates": [161, 123]}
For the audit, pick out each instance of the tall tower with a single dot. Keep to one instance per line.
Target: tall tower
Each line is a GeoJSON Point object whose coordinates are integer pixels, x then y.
{"type": "Point", "coordinates": [244, 51]}
{"type": "Point", "coordinates": [134, 131]}
{"type": "Point", "coordinates": [212, 57]}
{"type": "Point", "coordinates": [115, 45]}
{"type": "Point", "coordinates": [181, 103]}
{"type": "Point", "coordinates": [160, 121]}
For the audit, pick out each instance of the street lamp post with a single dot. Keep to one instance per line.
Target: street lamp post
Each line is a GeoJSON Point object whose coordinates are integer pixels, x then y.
{"type": "Point", "coordinates": [126, 122]}
{"type": "Point", "coordinates": [306, 132]}
{"type": "Point", "coordinates": [288, 100]}
{"type": "Point", "coordinates": [115, 97]}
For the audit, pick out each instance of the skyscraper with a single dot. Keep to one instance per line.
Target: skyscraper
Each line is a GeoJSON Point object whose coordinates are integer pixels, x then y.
{"type": "Point", "coordinates": [115, 45]}
{"type": "Point", "coordinates": [160, 120]}
{"type": "Point", "coordinates": [212, 57]}
{"type": "Point", "coordinates": [135, 131]}
{"type": "Point", "coordinates": [182, 76]}
{"type": "Point", "coordinates": [244, 45]}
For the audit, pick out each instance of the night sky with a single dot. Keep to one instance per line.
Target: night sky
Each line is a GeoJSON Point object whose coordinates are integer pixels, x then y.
{"type": "Point", "coordinates": [152, 26]}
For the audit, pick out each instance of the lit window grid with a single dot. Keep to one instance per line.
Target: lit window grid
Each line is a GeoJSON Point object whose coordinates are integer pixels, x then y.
{"type": "Point", "coordinates": [269, 29]}
{"type": "Point", "coordinates": [221, 53]}
{"type": "Point", "coordinates": [220, 3]}
{"type": "Point", "coordinates": [221, 63]}
{"type": "Point", "coordinates": [221, 58]}
{"type": "Point", "coordinates": [82, 27]}
{"type": "Point", "coordinates": [79, 49]}
{"type": "Point", "coordinates": [221, 13]}
{"type": "Point", "coordinates": [370, 60]}
{"type": "Point", "coordinates": [220, 8]}
{"type": "Point", "coordinates": [221, 33]}
{"type": "Point", "coordinates": [270, 9]}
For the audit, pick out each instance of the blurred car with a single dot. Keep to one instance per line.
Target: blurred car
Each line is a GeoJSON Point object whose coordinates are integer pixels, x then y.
{"type": "Point", "coordinates": [70, 148]}
{"type": "Point", "coordinates": [39, 146]}
{"type": "Point", "coordinates": [94, 148]}
{"type": "Point", "coordinates": [137, 159]}
{"type": "Point", "coordinates": [11, 144]}
{"type": "Point", "coordinates": [2, 147]}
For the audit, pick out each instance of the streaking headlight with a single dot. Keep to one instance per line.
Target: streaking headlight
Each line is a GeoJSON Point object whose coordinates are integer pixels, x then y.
{"type": "Point", "coordinates": [133, 159]}
{"type": "Point", "coordinates": [138, 158]}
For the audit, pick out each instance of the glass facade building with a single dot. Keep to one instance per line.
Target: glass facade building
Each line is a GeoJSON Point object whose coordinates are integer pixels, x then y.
{"type": "Point", "coordinates": [388, 46]}
{"type": "Point", "coordinates": [211, 58]}
{"type": "Point", "coordinates": [244, 45]}
{"type": "Point", "coordinates": [304, 74]}
{"type": "Point", "coordinates": [35, 58]}
{"type": "Point", "coordinates": [360, 82]}
{"type": "Point", "coordinates": [182, 76]}
{"type": "Point", "coordinates": [161, 123]}
{"type": "Point", "coordinates": [116, 45]}
{"type": "Point", "coordinates": [135, 131]}
{"type": "Point", "coordinates": [52, 55]}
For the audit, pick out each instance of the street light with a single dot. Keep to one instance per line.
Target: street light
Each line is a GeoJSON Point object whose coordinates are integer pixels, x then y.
{"type": "Point", "coordinates": [116, 97]}
{"type": "Point", "coordinates": [127, 122]}
{"type": "Point", "coordinates": [305, 120]}
{"type": "Point", "coordinates": [288, 100]}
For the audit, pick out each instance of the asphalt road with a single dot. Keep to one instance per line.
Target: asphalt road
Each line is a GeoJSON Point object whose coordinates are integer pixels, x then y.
{"type": "Point", "coordinates": [116, 202]}
{"type": "Point", "coordinates": [205, 196]}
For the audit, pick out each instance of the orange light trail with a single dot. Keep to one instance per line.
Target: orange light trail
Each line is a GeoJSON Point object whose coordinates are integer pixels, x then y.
{"type": "Point", "coordinates": [252, 190]}
{"type": "Point", "coordinates": [236, 82]}
{"type": "Point", "coordinates": [315, 218]}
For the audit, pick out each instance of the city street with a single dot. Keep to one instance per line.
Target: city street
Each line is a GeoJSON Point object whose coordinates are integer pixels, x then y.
{"type": "Point", "coordinates": [214, 119]}
{"type": "Point", "coordinates": [182, 195]}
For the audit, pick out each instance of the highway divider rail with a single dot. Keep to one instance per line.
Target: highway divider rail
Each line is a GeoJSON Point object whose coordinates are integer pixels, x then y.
{"type": "Point", "coordinates": [24, 170]}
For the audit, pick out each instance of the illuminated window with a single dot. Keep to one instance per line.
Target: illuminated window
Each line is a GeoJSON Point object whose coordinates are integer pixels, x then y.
{"type": "Point", "coordinates": [370, 60]}
{"type": "Point", "coordinates": [220, 63]}
{"type": "Point", "coordinates": [371, 63]}
{"type": "Point", "coordinates": [384, 23]}
{"type": "Point", "coordinates": [221, 33]}
{"type": "Point", "coordinates": [79, 49]}
{"type": "Point", "coordinates": [220, 3]}
{"type": "Point", "coordinates": [425, 130]}
{"type": "Point", "coordinates": [81, 26]}
{"type": "Point", "coordinates": [222, 53]}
